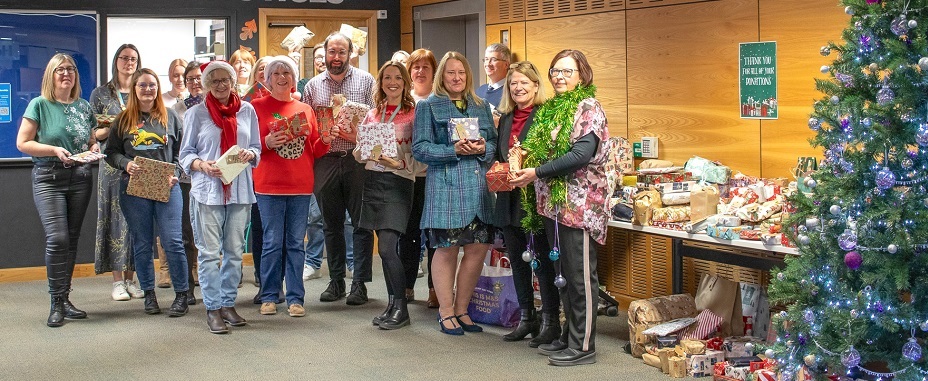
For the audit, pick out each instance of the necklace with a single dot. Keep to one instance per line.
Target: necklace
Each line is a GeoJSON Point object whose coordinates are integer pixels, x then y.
{"type": "Point", "coordinates": [65, 107]}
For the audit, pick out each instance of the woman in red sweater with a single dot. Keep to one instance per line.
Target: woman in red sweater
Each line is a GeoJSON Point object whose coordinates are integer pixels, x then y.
{"type": "Point", "coordinates": [388, 187]}
{"type": "Point", "coordinates": [283, 184]}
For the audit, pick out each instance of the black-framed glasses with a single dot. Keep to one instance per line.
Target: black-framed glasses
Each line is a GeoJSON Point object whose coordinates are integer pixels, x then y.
{"type": "Point", "coordinates": [222, 81]}
{"type": "Point", "coordinates": [193, 79]}
{"type": "Point", "coordinates": [554, 72]}
{"type": "Point", "coordinates": [66, 69]}
{"type": "Point", "coordinates": [129, 59]}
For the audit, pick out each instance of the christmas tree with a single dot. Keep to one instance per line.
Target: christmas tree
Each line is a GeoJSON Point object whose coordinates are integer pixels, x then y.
{"type": "Point", "coordinates": [856, 297]}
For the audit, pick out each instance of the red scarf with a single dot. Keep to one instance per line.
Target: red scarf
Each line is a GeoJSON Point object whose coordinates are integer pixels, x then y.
{"type": "Point", "coordinates": [224, 118]}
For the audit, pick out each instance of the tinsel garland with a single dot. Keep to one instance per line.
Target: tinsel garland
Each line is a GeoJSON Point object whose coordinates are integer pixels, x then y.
{"type": "Point", "coordinates": [556, 112]}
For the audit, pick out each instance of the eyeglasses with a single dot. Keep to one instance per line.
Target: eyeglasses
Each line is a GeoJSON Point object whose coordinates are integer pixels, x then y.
{"type": "Point", "coordinates": [333, 52]}
{"type": "Point", "coordinates": [129, 59]}
{"type": "Point", "coordinates": [194, 79]}
{"type": "Point", "coordinates": [318, 57]}
{"type": "Point", "coordinates": [493, 60]}
{"type": "Point", "coordinates": [149, 86]}
{"type": "Point", "coordinates": [554, 72]}
{"type": "Point", "coordinates": [66, 69]}
{"type": "Point", "coordinates": [223, 81]}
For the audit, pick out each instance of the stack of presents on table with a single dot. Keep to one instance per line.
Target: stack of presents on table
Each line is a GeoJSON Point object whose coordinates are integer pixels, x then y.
{"type": "Point", "coordinates": [717, 334]}
{"type": "Point", "coordinates": [704, 197]}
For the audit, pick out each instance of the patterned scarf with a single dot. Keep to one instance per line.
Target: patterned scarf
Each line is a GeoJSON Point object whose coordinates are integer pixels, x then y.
{"type": "Point", "coordinates": [224, 118]}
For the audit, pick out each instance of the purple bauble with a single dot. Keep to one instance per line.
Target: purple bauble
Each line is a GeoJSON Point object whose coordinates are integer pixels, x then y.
{"type": "Point", "coordinates": [853, 260]}
{"type": "Point", "coordinates": [885, 179]}
{"type": "Point", "coordinates": [885, 96]}
{"type": "Point", "coordinates": [847, 241]}
{"type": "Point", "coordinates": [921, 135]}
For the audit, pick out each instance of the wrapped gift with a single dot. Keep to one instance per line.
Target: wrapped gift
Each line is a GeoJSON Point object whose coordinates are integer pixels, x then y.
{"type": "Point", "coordinates": [463, 129]}
{"type": "Point", "coordinates": [669, 341]}
{"type": "Point", "coordinates": [292, 127]}
{"type": "Point", "coordinates": [230, 165]}
{"type": "Point", "coordinates": [736, 346]}
{"type": "Point", "coordinates": [193, 101]}
{"type": "Point", "coordinates": [255, 91]}
{"type": "Point", "coordinates": [702, 365]}
{"type": "Point", "coordinates": [724, 232]}
{"type": "Point", "coordinates": [723, 220]}
{"type": "Point", "coordinates": [765, 364]}
{"type": "Point", "coordinates": [664, 355]}
{"type": "Point", "coordinates": [646, 313]}
{"type": "Point", "coordinates": [695, 226]}
{"type": "Point", "coordinates": [704, 201]}
{"type": "Point", "coordinates": [87, 157]}
{"type": "Point", "coordinates": [657, 164]}
{"type": "Point", "coordinates": [298, 37]}
{"type": "Point", "coordinates": [629, 181]}
{"type": "Point", "coordinates": [707, 170]}
{"type": "Point", "coordinates": [748, 194]}
{"type": "Point", "coordinates": [665, 329]}
{"type": "Point", "coordinates": [677, 367]}
{"type": "Point", "coordinates": [325, 119]}
{"type": "Point", "coordinates": [678, 226]}
{"type": "Point", "coordinates": [737, 372]}
{"type": "Point", "coordinates": [628, 194]}
{"type": "Point", "coordinates": [770, 239]}
{"type": "Point", "coordinates": [743, 361]}
{"type": "Point", "coordinates": [715, 343]}
{"type": "Point", "coordinates": [681, 198]}
{"type": "Point", "coordinates": [104, 120]}
{"type": "Point", "coordinates": [651, 360]}
{"type": "Point", "coordinates": [671, 214]}
{"type": "Point", "coordinates": [516, 157]}
{"type": "Point", "coordinates": [152, 180]}
{"type": "Point", "coordinates": [693, 347]}
{"type": "Point", "coordinates": [347, 118]}
{"type": "Point", "coordinates": [804, 374]}
{"type": "Point", "coordinates": [645, 203]}
{"type": "Point", "coordinates": [358, 37]}
{"type": "Point", "coordinates": [741, 180]}
{"type": "Point", "coordinates": [623, 212]}
{"type": "Point", "coordinates": [670, 177]}
{"type": "Point", "coordinates": [750, 234]}
{"type": "Point", "coordinates": [684, 186]}
{"type": "Point", "coordinates": [499, 177]}
{"type": "Point", "coordinates": [757, 212]}
{"type": "Point", "coordinates": [765, 375]}
{"type": "Point", "coordinates": [708, 323]}
{"type": "Point", "coordinates": [377, 139]}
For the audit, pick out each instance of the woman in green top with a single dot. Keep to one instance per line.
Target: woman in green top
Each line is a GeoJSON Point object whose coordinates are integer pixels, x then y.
{"type": "Point", "coordinates": [55, 126]}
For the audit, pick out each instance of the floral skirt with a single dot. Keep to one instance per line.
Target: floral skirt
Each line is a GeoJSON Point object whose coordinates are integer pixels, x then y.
{"type": "Point", "coordinates": [475, 232]}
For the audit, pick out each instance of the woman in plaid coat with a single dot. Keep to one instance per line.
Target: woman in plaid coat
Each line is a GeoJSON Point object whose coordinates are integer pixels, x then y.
{"type": "Point", "coordinates": [458, 207]}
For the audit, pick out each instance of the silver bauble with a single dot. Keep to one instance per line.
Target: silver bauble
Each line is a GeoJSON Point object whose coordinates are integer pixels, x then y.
{"type": "Point", "coordinates": [835, 210]}
{"type": "Point", "coordinates": [559, 281]}
{"type": "Point", "coordinates": [892, 248]}
{"type": "Point", "coordinates": [824, 69]}
{"type": "Point", "coordinates": [923, 63]}
{"type": "Point", "coordinates": [849, 10]}
{"type": "Point", "coordinates": [850, 358]}
{"type": "Point", "coordinates": [913, 24]}
{"type": "Point", "coordinates": [527, 256]}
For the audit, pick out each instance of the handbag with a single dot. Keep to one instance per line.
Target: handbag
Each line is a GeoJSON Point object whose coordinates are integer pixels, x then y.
{"type": "Point", "coordinates": [498, 178]}
{"type": "Point", "coordinates": [723, 298]}
{"type": "Point", "coordinates": [494, 300]}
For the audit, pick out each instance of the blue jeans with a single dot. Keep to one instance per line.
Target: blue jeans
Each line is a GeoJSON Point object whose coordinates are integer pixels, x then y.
{"type": "Point", "coordinates": [283, 219]}
{"type": "Point", "coordinates": [219, 229]}
{"type": "Point", "coordinates": [315, 237]}
{"type": "Point", "coordinates": [141, 215]}
{"type": "Point", "coordinates": [61, 196]}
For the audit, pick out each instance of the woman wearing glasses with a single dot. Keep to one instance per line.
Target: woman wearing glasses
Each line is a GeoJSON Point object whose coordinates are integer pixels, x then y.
{"type": "Point", "coordinates": [458, 208]}
{"type": "Point", "coordinates": [220, 212]}
{"type": "Point", "coordinates": [522, 94]}
{"type": "Point", "coordinates": [113, 249]}
{"type": "Point", "coordinates": [565, 162]}
{"type": "Point", "coordinates": [147, 129]}
{"type": "Point", "coordinates": [193, 78]}
{"type": "Point", "coordinates": [55, 126]}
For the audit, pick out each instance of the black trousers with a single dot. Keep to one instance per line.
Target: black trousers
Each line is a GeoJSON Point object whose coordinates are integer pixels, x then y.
{"type": "Point", "coordinates": [411, 240]}
{"type": "Point", "coordinates": [187, 229]}
{"type": "Point", "coordinates": [339, 185]}
{"type": "Point", "coordinates": [516, 242]}
{"type": "Point", "coordinates": [580, 296]}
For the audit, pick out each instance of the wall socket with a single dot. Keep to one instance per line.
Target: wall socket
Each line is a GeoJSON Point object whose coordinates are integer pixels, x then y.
{"type": "Point", "coordinates": [382, 14]}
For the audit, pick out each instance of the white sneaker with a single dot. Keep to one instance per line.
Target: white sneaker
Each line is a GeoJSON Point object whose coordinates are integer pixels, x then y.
{"type": "Point", "coordinates": [421, 272]}
{"type": "Point", "coordinates": [349, 274]}
{"type": "Point", "coordinates": [132, 287]}
{"type": "Point", "coordinates": [310, 273]}
{"type": "Point", "coordinates": [119, 292]}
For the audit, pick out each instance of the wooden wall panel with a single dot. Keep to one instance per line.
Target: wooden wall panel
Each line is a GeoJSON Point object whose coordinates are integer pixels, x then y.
{"type": "Point", "coordinates": [636, 4]}
{"type": "Point", "coordinates": [406, 42]}
{"type": "Point", "coordinates": [800, 29]}
{"type": "Point", "coordinates": [602, 38]}
{"type": "Point", "coordinates": [542, 9]}
{"type": "Point", "coordinates": [505, 11]}
{"type": "Point", "coordinates": [516, 38]}
{"type": "Point", "coordinates": [683, 81]}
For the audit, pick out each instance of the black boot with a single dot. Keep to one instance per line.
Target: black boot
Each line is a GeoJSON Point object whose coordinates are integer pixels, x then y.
{"type": "Point", "coordinates": [550, 330]}
{"type": "Point", "coordinates": [399, 317]}
{"type": "Point", "coordinates": [191, 298]}
{"type": "Point", "coordinates": [56, 313]}
{"type": "Point", "coordinates": [528, 324]}
{"type": "Point", "coordinates": [386, 313]}
{"type": "Point", "coordinates": [179, 307]}
{"type": "Point", "coordinates": [151, 303]}
{"type": "Point", "coordinates": [70, 311]}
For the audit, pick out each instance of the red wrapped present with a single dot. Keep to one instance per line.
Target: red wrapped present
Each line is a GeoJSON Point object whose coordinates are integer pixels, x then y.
{"type": "Point", "coordinates": [498, 258]}
{"type": "Point", "coordinates": [498, 178]}
{"type": "Point", "coordinates": [764, 375]}
{"type": "Point", "coordinates": [293, 127]}
{"type": "Point", "coordinates": [715, 343]}
{"type": "Point", "coordinates": [718, 369]}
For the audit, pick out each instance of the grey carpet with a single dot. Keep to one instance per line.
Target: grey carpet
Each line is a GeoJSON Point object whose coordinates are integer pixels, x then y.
{"type": "Point", "coordinates": [334, 341]}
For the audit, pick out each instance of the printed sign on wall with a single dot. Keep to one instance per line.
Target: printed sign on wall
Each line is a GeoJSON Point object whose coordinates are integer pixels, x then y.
{"type": "Point", "coordinates": [757, 74]}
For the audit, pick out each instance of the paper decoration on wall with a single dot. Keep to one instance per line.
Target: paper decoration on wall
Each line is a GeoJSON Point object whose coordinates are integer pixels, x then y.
{"type": "Point", "coordinates": [249, 30]}
{"type": "Point", "coordinates": [297, 39]}
{"type": "Point", "coordinates": [358, 37]}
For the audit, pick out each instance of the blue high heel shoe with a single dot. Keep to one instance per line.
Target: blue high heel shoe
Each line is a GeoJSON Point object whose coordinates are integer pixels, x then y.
{"type": "Point", "coordinates": [468, 327]}
{"type": "Point", "coordinates": [456, 331]}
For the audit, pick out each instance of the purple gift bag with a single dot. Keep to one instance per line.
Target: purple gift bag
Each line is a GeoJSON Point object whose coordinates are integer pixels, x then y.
{"type": "Point", "coordinates": [494, 300]}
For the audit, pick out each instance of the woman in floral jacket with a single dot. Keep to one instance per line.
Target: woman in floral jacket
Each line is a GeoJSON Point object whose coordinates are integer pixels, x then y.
{"type": "Point", "coordinates": [566, 156]}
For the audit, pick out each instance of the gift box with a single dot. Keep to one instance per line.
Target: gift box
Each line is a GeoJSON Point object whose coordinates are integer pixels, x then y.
{"type": "Point", "coordinates": [743, 361]}
{"type": "Point", "coordinates": [104, 120]}
{"type": "Point", "coordinates": [702, 365]}
{"type": "Point", "coordinates": [724, 232]}
{"type": "Point", "coordinates": [516, 157]}
{"type": "Point", "coordinates": [645, 203]}
{"type": "Point", "coordinates": [664, 355]}
{"type": "Point", "coordinates": [757, 212]}
{"type": "Point", "coordinates": [677, 367]}
{"type": "Point", "coordinates": [750, 234]}
{"type": "Point", "coordinates": [684, 186]}
{"type": "Point", "coordinates": [87, 157]}
{"type": "Point", "coordinates": [765, 364]}
{"type": "Point", "coordinates": [671, 177]}
{"type": "Point", "coordinates": [695, 226]}
{"type": "Point", "coordinates": [193, 101]}
{"type": "Point", "coordinates": [152, 180]}
{"type": "Point", "coordinates": [347, 118]}
{"type": "Point", "coordinates": [679, 198]}
{"type": "Point", "coordinates": [724, 220]}
{"type": "Point", "coordinates": [651, 360]}
{"type": "Point", "coordinates": [671, 214]}
{"type": "Point", "coordinates": [693, 347]}
{"type": "Point", "coordinates": [463, 129]}
{"type": "Point", "coordinates": [707, 170]}
{"type": "Point", "coordinates": [292, 127]}
{"type": "Point", "coordinates": [358, 37]}
{"type": "Point", "coordinates": [325, 119]}
{"type": "Point", "coordinates": [708, 323]}
{"type": "Point", "coordinates": [736, 346]}
{"type": "Point", "coordinates": [741, 180]}
{"type": "Point", "coordinates": [376, 140]}
{"type": "Point", "coordinates": [704, 201]}
{"type": "Point", "coordinates": [627, 194]}
{"type": "Point", "coordinates": [765, 375]}
{"type": "Point", "coordinates": [669, 341]}
{"type": "Point", "coordinates": [645, 313]}
{"type": "Point", "coordinates": [678, 226]}
{"type": "Point", "coordinates": [498, 177]}
{"type": "Point", "coordinates": [737, 372]}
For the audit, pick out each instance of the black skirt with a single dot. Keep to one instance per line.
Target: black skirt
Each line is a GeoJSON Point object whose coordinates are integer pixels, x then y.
{"type": "Point", "coordinates": [386, 201]}
{"type": "Point", "coordinates": [475, 232]}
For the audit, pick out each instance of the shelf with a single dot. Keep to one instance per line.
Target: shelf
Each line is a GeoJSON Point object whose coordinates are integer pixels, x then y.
{"type": "Point", "coordinates": [702, 237]}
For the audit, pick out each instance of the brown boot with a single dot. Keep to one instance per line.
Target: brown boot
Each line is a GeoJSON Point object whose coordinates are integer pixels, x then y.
{"type": "Point", "coordinates": [433, 299]}
{"type": "Point", "coordinates": [195, 275]}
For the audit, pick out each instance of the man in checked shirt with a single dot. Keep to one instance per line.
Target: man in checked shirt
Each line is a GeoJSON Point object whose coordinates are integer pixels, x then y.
{"type": "Point", "coordinates": [339, 177]}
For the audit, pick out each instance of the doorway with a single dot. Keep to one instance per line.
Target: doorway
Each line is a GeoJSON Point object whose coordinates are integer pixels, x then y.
{"type": "Point", "coordinates": [275, 24]}
{"type": "Point", "coordinates": [453, 26]}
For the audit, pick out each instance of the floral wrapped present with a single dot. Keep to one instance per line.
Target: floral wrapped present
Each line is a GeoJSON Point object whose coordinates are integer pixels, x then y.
{"type": "Point", "coordinates": [463, 129]}
{"type": "Point", "coordinates": [627, 194]}
{"type": "Point", "coordinates": [376, 140]}
{"type": "Point", "coordinates": [738, 372]}
{"type": "Point", "coordinates": [671, 214]}
{"type": "Point", "coordinates": [347, 118]}
{"type": "Point", "coordinates": [757, 212]}
{"type": "Point", "coordinates": [152, 181]}
{"type": "Point", "coordinates": [670, 177]}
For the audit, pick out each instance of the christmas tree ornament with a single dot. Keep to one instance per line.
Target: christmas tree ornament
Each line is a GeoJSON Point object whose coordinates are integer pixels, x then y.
{"type": "Point", "coordinates": [906, 163]}
{"type": "Point", "coordinates": [815, 124]}
{"type": "Point", "coordinates": [825, 51]}
{"type": "Point", "coordinates": [783, 315]}
{"type": "Point", "coordinates": [866, 122]}
{"type": "Point", "coordinates": [527, 255]}
{"type": "Point", "coordinates": [535, 264]}
{"type": "Point", "coordinates": [847, 241]}
{"type": "Point", "coordinates": [804, 239]}
{"type": "Point", "coordinates": [885, 96]}
{"type": "Point", "coordinates": [923, 326]}
{"type": "Point", "coordinates": [846, 80]}
{"type": "Point", "coordinates": [913, 24]}
{"type": "Point", "coordinates": [873, 67]}
{"type": "Point", "coordinates": [749, 346]}
{"type": "Point", "coordinates": [892, 248]}
{"type": "Point", "coordinates": [554, 254]}
{"type": "Point", "coordinates": [850, 358]}
{"type": "Point", "coordinates": [853, 260]}
{"type": "Point", "coordinates": [769, 353]}
{"type": "Point", "coordinates": [921, 135]}
{"type": "Point", "coordinates": [559, 281]}
{"type": "Point", "coordinates": [810, 182]}
{"type": "Point", "coordinates": [812, 222]}
{"type": "Point", "coordinates": [912, 351]}
{"type": "Point", "coordinates": [834, 210]}
{"type": "Point", "coordinates": [854, 314]}
{"type": "Point", "coordinates": [899, 25]}
{"type": "Point", "coordinates": [923, 63]}
{"type": "Point", "coordinates": [824, 69]}
{"type": "Point", "coordinates": [849, 10]}
{"type": "Point", "coordinates": [809, 360]}
{"type": "Point", "coordinates": [835, 99]}
{"type": "Point", "coordinates": [780, 276]}
{"type": "Point", "coordinates": [802, 229]}
{"type": "Point", "coordinates": [809, 316]}
{"type": "Point", "coordinates": [790, 343]}
{"type": "Point", "coordinates": [885, 179]}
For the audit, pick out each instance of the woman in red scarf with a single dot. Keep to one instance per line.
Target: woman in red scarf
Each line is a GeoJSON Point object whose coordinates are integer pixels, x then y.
{"type": "Point", "coordinates": [219, 210]}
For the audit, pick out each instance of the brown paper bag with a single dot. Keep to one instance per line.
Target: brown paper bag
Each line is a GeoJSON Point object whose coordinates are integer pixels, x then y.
{"type": "Point", "coordinates": [704, 202]}
{"type": "Point", "coordinates": [664, 354]}
{"type": "Point", "coordinates": [651, 360]}
{"type": "Point", "coordinates": [723, 298]}
{"type": "Point", "coordinates": [677, 367]}
{"type": "Point", "coordinates": [645, 203]}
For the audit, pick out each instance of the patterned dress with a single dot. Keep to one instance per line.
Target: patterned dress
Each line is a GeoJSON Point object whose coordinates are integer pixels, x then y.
{"type": "Point", "coordinates": [586, 188]}
{"type": "Point", "coordinates": [112, 248]}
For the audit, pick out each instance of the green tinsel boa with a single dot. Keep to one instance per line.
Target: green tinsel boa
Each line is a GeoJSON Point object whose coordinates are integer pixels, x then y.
{"type": "Point", "coordinates": [557, 111]}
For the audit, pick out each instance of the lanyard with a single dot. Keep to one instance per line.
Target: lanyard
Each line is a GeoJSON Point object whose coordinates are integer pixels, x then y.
{"type": "Point", "coordinates": [122, 103]}
{"type": "Point", "coordinates": [384, 115]}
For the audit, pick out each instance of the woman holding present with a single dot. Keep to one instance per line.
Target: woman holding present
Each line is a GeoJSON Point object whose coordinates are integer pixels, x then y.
{"type": "Point", "coordinates": [388, 187]}
{"type": "Point", "coordinates": [284, 185]}
{"type": "Point", "coordinates": [522, 95]}
{"type": "Point", "coordinates": [458, 206]}
{"type": "Point", "coordinates": [565, 161]}
{"type": "Point", "coordinates": [147, 129]}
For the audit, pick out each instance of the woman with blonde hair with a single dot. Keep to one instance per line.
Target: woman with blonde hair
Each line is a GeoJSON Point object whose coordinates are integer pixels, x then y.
{"type": "Point", "coordinates": [147, 129]}
{"type": "Point", "coordinates": [178, 90]}
{"type": "Point", "coordinates": [458, 209]}
{"type": "Point", "coordinates": [55, 126]}
{"type": "Point", "coordinates": [242, 62]}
